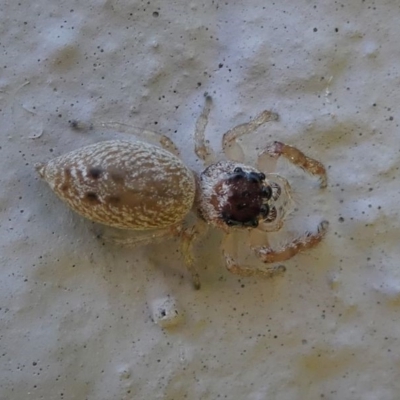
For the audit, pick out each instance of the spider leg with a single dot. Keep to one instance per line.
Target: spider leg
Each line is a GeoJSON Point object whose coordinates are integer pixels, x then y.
{"type": "Point", "coordinates": [203, 151]}
{"type": "Point", "coordinates": [143, 238]}
{"type": "Point", "coordinates": [231, 148]}
{"type": "Point", "coordinates": [233, 267]}
{"type": "Point", "coordinates": [307, 241]}
{"type": "Point", "coordinates": [134, 239]}
{"type": "Point", "coordinates": [187, 237]}
{"type": "Point", "coordinates": [295, 156]}
{"type": "Point", "coordinates": [229, 251]}
{"type": "Point", "coordinates": [142, 134]}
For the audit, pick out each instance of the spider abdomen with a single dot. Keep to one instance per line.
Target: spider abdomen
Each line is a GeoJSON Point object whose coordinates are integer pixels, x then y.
{"type": "Point", "coordinates": [123, 184]}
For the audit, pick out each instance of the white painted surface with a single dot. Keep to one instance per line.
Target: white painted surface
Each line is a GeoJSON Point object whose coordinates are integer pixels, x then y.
{"type": "Point", "coordinates": [76, 315]}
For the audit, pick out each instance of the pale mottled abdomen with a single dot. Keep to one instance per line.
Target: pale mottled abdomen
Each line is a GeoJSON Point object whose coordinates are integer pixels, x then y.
{"type": "Point", "coordinates": [124, 184]}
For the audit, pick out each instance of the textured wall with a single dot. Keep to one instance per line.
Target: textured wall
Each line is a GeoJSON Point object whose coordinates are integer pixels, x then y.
{"type": "Point", "coordinates": [77, 314]}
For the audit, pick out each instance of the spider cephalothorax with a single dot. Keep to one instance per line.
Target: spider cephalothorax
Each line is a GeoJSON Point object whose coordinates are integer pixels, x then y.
{"type": "Point", "coordinates": [233, 194]}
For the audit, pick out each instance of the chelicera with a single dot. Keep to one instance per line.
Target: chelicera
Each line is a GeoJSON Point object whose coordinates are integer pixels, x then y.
{"type": "Point", "coordinates": [147, 188]}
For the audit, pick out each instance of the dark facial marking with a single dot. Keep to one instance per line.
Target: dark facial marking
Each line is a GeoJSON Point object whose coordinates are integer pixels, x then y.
{"type": "Point", "coordinates": [241, 206]}
{"type": "Point", "coordinates": [247, 195]}
{"type": "Point", "coordinates": [95, 172]}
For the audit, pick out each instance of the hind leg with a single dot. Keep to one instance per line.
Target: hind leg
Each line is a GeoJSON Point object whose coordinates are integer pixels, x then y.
{"type": "Point", "coordinates": [134, 239]}
{"type": "Point", "coordinates": [139, 133]}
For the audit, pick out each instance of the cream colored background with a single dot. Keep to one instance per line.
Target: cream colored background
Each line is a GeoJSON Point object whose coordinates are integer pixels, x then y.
{"type": "Point", "coordinates": [76, 315]}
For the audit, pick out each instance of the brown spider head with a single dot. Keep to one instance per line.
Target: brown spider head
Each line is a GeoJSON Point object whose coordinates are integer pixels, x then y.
{"type": "Point", "coordinates": [233, 194]}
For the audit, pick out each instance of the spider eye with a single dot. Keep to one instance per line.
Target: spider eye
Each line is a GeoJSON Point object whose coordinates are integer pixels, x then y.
{"type": "Point", "coordinates": [237, 170]}
{"type": "Point", "coordinates": [228, 219]}
{"type": "Point", "coordinates": [264, 210]}
{"type": "Point", "coordinates": [266, 192]}
{"type": "Point", "coordinates": [254, 223]}
{"type": "Point", "coordinates": [256, 177]}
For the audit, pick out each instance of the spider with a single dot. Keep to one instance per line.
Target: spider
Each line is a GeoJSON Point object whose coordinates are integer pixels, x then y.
{"type": "Point", "coordinates": [146, 188]}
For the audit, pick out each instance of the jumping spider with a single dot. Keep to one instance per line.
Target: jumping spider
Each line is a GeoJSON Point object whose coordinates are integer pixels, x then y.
{"type": "Point", "coordinates": [146, 188]}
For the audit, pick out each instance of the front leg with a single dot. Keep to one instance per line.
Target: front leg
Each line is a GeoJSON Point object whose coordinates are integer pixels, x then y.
{"type": "Point", "coordinates": [309, 240]}
{"type": "Point", "coordinates": [230, 252]}
{"type": "Point", "coordinates": [296, 157]}
{"type": "Point", "coordinates": [243, 270]}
